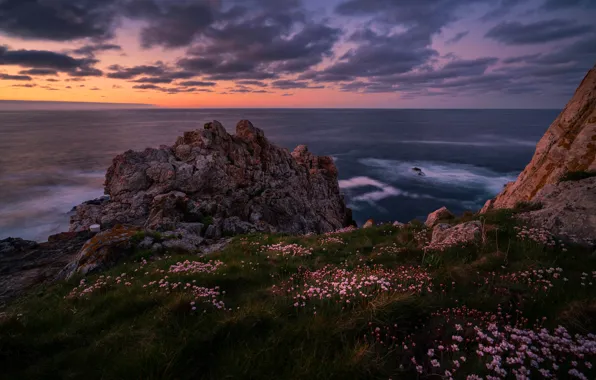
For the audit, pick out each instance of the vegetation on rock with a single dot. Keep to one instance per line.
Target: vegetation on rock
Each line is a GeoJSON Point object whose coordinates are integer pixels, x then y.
{"type": "Point", "coordinates": [358, 303]}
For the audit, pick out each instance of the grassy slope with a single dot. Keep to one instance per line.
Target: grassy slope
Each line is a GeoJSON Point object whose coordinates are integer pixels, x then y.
{"type": "Point", "coordinates": [131, 332]}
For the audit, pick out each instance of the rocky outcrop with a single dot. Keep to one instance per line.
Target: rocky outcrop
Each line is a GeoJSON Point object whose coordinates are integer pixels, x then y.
{"type": "Point", "coordinates": [569, 145]}
{"type": "Point", "coordinates": [24, 264]}
{"type": "Point", "coordinates": [441, 214]}
{"type": "Point", "coordinates": [224, 184]}
{"type": "Point", "coordinates": [567, 209]}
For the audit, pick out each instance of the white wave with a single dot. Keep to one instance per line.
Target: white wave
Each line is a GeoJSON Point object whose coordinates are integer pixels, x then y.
{"type": "Point", "coordinates": [441, 174]}
{"type": "Point", "coordinates": [384, 190]}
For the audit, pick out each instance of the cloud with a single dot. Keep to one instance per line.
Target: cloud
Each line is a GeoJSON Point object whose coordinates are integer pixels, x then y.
{"type": "Point", "coordinates": [15, 77]}
{"type": "Point", "coordinates": [169, 90]}
{"type": "Point", "coordinates": [28, 85]}
{"type": "Point", "coordinates": [58, 20]}
{"type": "Point", "coordinates": [458, 37]}
{"type": "Point", "coordinates": [119, 72]}
{"type": "Point", "coordinates": [153, 80]}
{"type": "Point", "coordinates": [555, 5]}
{"type": "Point", "coordinates": [38, 72]}
{"type": "Point", "coordinates": [194, 83]}
{"type": "Point", "coordinates": [503, 8]}
{"type": "Point", "coordinates": [288, 84]}
{"type": "Point", "coordinates": [43, 59]}
{"type": "Point", "coordinates": [516, 33]}
{"type": "Point", "coordinates": [252, 83]}
{"type": "Point", "coordinates": [90, 50]}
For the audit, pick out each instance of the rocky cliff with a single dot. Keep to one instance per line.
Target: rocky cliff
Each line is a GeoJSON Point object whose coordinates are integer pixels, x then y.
{"type": "Point", "coordinates": [217, 184]}
{"type": "Point", "coordinates": [568, 145]}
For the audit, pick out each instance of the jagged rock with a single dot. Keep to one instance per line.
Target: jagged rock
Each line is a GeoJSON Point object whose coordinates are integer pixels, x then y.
{"type": "Point", "coordinates": [101, 251]}
{"type": "Point", "coordinates": [568, 210]}
{"type": "Point", "coordinates": [369, 223]}
{"type": "Point", "coordinates": [31, 263]}
{"type": "Point", "coordinates": [568, 145]}
{"type": "Point", "coordinates": [446, 235]}
{"type": "Point", "coordinates": [15, 246]}
{"type": "Point", "coordinates": [418, 171]}
{"type": "Point", "coordinates": [441, 214]}
{"type": "Point", "coordinates": [231, 183]}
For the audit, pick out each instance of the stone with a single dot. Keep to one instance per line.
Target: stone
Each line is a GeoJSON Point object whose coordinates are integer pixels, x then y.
{"type": "Point", "coordinates": [369, 223]}
{"type": "Point", "coordinates": [569, 145]}
{"type": "Point", "coordinates": [445, 235]}
{"type": "Point", "coordinates": [146, 243]}
{"type": "Point", "coordinates": [231, 184]}
{"type": "Point", "coordinates": [101, 251]}
{"type": "Point", "coordinates": [441, 214]}
{"type": "Point", "coordinates": [568, 210]}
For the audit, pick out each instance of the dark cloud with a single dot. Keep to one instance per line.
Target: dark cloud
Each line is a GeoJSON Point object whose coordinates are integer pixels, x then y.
{"type": "Point", "coordinates": [58, 20]}
{"type": "Point", "coordinates": [90, 50]}
{"type": "Point", "coordinates": [458, 37]}
{"type": "Point", "coordinates": [516, 33]}
{"type": "Point", "coordinates": [15, 77]}
{"type": "Point", "coordinates": [42, 59]}
{"type": "Point", "coordinates": [38, 72]}
{"type": "Point", "coordinates": [96, 89]}
{"type": "Point", "coordinates": [555, 5]}
{"type": "Point", "coordinates": [52, 80]}
{"type": "Point", "coordinates": [288, 84]}
{"type": "Point", "coordinates": [119, 72]}
{"type": "Point", "coordinates": [169, 90]}
{"type": "Point", "coordinates": [287, 94]}
{"type": "Point", "coordinates": [521, 58]}
{"type": "Point", "coordinates": [68, 87]}
{"type": "Point", "coordinates": [502, 8]}
{"type": "Point", "coordinates": [194, 83]}
{"type": "Point", "coordinates": [28, 85]}
{"type": "Point", "coordinates": [153, 80]}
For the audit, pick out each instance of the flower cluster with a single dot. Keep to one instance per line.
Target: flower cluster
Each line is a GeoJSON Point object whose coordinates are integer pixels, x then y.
{"type": "Point", "coordinates": [341, 230]}
{"type": "Point", "coordinates": [331, 240]}
{"type": "Point", "coordinates": [467, 337]}
{"type": "Point", "coordinates": [202, 294]}
{"type": "Point", "coordinates": [389, 249]}
{"type": "Point", "coordinates": [284, 250]}
{"type": "Point", "coordinates": [537, 280]}
{"type": "Point", "coordinates": [538, 235]}
{"type": "Point", "coordinates": [345, 287]}
{"type": "Point", "coordinates": [422, 237]}
{"type": "Point", "coordinates": [102, 282]}
{"type": "Point", "coordinates": [195, 267]}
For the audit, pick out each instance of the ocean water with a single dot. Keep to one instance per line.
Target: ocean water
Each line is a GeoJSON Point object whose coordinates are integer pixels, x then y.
{"type": "Point", "coordinates": [51, 161]}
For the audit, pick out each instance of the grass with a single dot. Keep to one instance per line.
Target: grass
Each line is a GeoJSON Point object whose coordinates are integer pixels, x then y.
{"type": "Point", "coordinates": [141, 328]}
{"type": "Point", "coordinates": [577, 176]}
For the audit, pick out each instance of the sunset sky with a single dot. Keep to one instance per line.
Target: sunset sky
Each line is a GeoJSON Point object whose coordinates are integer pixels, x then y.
{"type": "Point", "coordinates": [292, 53]}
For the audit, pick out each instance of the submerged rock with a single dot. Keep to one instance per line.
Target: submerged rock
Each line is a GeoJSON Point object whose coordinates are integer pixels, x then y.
{"type": "Point", "coordinates": [232, 184]}
{"type": "Point", "coordinates": [441, 214]}
{"type": "Point", "coordinates": [418, 171]}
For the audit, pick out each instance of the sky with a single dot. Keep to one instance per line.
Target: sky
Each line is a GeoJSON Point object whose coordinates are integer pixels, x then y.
{"type": "Point", "coordinates": [297, 53]}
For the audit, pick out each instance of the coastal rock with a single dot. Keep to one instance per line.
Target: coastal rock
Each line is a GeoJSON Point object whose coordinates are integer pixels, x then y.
{"type": "Point", "coordinates": [230, 183]}
{"type": "Point", "coordinates": [569, 145]}
{"type": "Point", "coordinates": [101, 251]}
{"type": "Point", "coordinates": [441, 214]}
{"type": "Point", "coordinates": [568, 209]}
{"type": "Point", "coordinates": [24, 264]}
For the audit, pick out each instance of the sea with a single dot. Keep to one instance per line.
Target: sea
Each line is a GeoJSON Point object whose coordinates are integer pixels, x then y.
{"type": "Point", "coordinates": [53, 160]}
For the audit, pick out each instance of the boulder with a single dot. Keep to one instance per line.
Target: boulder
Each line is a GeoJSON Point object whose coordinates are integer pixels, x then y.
{"type": "Point", "coordinates": [441, 214]}
{"type": "Point", "coordinates": [569, 145]}
{"type": "Point", "coordinates": [568, 210]}
{"type": "Point", "coordinates": [101, 251]}
{"type": "Point", "coordinates": [369, 223]}
{"type": "Point", "coordinates": [446, 235]}
{"type": "Point", "coordinates": [232, 184]}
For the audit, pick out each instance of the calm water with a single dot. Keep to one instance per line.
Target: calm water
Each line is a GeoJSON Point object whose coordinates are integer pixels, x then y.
{"type": "Point", "coordinates": [53, 160]}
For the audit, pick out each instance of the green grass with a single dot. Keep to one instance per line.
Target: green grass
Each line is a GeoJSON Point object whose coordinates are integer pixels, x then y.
{"type": "Point", "coordinates": [577, 176]}
{"type": "Point", "coordinates": [137, 332]}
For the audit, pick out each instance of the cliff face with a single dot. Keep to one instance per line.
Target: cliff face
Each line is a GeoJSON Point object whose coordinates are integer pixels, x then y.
{"type": "Point", "coordinates": [219, 184]}
{"type": "Point", "coordinates": [568, 145]}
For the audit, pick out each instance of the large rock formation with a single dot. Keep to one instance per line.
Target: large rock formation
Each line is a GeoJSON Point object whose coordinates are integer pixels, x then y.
{"type": "Point", "coordinates": [568, 209]}
{"type": "Point", "coordinates": [569, 145]}
{"type": "Point", "coordinates": [220, 184]}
